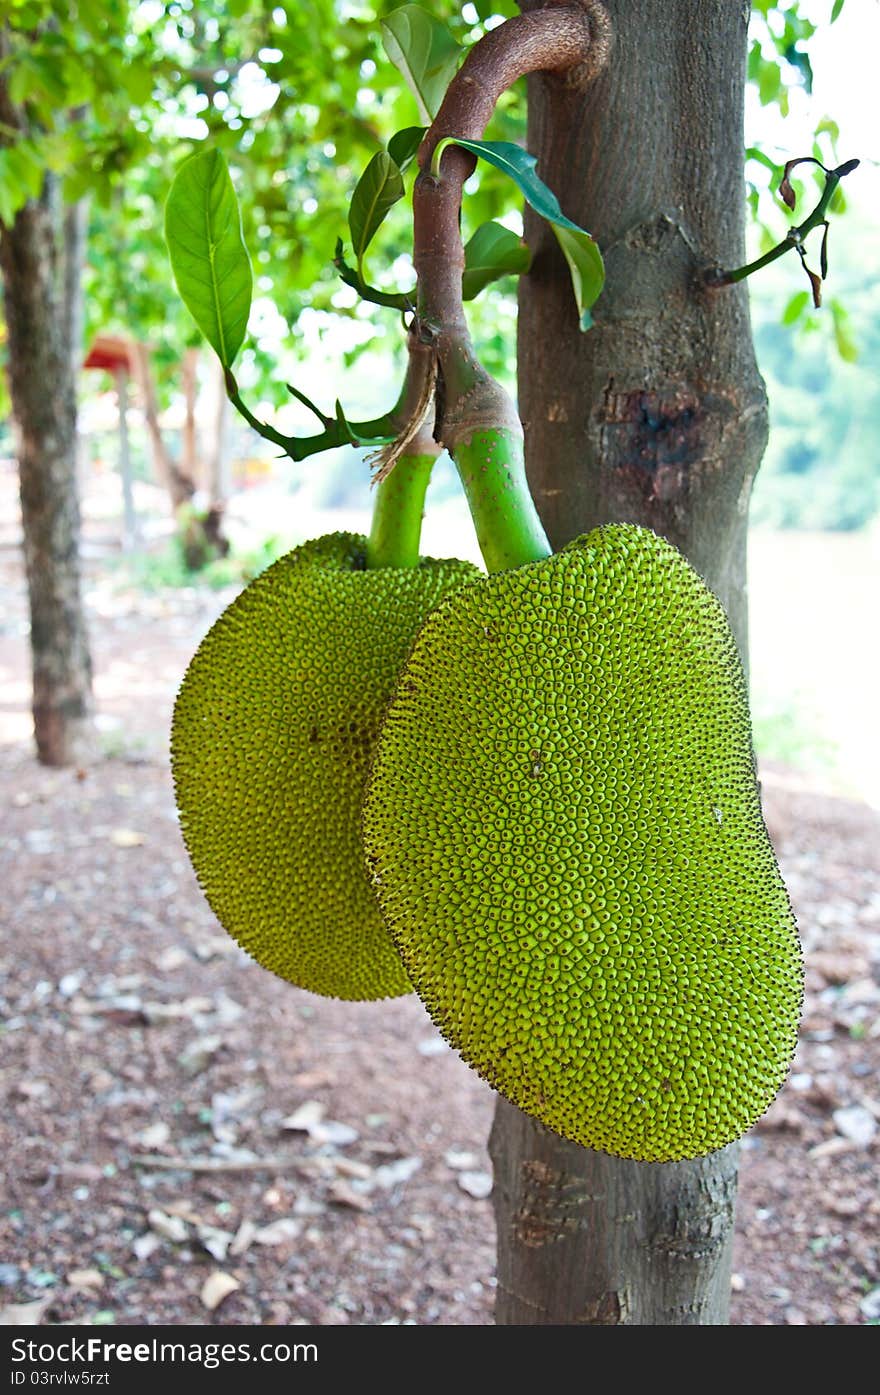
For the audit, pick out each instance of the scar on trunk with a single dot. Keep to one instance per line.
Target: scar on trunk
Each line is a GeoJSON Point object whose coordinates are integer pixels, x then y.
{"type": "Point", "coordinates": [552, 1205]}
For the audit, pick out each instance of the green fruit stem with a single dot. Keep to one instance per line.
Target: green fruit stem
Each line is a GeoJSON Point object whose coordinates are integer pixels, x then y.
{"type": "Point", "coordinates": [491, 467]}
{"type": "Point", "coordinates": [397, 513]}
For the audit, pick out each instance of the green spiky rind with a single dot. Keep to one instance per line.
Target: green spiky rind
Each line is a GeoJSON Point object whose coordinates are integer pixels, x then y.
{"type": "Point", "coordinates": [273, 729]}
{"type": "Point", "coordinates": [566, 840]}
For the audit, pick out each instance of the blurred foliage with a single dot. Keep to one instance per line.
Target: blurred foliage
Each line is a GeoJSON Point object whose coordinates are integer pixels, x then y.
{"type": "Point", "coordinates": [779, 62]}
{"type": "Point", "coordinates": [299, 94]}
{"type": "Point", "coordinates": [167, 568]}
{"type": "Point", "coordinates": [822, 466]}
{"type": "Point", "coordinates": [784, 729]}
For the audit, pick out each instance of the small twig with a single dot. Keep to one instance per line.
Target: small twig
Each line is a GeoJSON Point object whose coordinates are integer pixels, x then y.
{"type": "Point", "coordinates": [216, 1164]}
{"type": "Point", "coordinates": [338, 431]}
{"type": "Point", "coordinates": [794, 238]}
{"type": "Point", "coordinates": [395, 300]}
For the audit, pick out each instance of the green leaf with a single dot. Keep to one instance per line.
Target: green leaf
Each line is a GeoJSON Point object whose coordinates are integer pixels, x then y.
{"type": "Point", "coordinates": [753, 152]}
{"type": "Point", "coordinates": [580, 251]}
{"type": "Point", "coordinates": [846, 344]}
{"type": "Point", "coordinates": [404, 144]}
{"type": "Point", "coordinates": [23, 80]}
{"type": "Point", "coordinates": [493, 251]}
{"type": "Point", "coordinates": [208, 256]}
{"type": "Point", "coordinates": [795, 307]}
{"type": "Point", "coordinates": [10, 200]}
{"type": "Point", "coordinates": [378, 190]}
{"type": "Point", "coordinates": [25, 170]}
{"type": "Point", "coordinates": [137, 79]}
{"type": "Point", "coordinates": [835, 10]}
{"type": "Point", "coordinates": [582, 254]}
{"type": "Point", "coordinates": [425, 53]}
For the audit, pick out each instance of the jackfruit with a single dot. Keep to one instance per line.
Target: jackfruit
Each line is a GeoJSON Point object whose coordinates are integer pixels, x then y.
{"type": "Point", "coordinates": [273, 729]}
{"type": "Point", "coordinates": [565, 836]}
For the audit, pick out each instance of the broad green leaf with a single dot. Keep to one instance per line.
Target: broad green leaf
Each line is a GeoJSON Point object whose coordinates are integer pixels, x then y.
{"type": "Point", "coordinates": [377, 191]}
{"type": "Point", "coordinates": [425, 53]}
{"type": "Point", "coordinates": [493, 251]}
{"type": "Point", "coordinates": [795, 307]}
{"type": "Point", "coordinates": [208, 256]}
{"type": "Point", "coordinates": [580, 251]}
{"type": "Point", "coordinates": [404, 145]}
{"type": "Point", "coordinates": [23, 80]}
{"type": "Point", "coordinates": [25, 170]}
{"type": "Point", "coordinates": [80, 181]}
{"type": "Point", "coordinates": [138, 82]}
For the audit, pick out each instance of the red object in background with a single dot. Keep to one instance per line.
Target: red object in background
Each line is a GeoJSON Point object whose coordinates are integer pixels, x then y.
{"type": "Point", "coordinates": [109, 353]}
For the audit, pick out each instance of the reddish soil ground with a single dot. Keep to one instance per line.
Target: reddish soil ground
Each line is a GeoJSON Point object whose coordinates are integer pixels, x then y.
{"type": "Point", "coordinates": [188, 1139]}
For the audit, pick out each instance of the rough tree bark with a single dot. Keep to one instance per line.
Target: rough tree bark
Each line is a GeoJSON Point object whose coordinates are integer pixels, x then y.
{"type": "Point", "coordinates": [39, 300]}
{"type": "Point", "coordinates": [656, 416]}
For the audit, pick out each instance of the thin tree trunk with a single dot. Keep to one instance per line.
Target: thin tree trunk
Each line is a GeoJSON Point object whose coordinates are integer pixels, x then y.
{"type": "Point", "coordinates": [43, 394]}
{"type": "Point", "coordinates": [656, 416]}
{"type": "Point", "coordinates": [189, 441]}
{"type": "Point", "coordinates": [129, 516]}
{"type": "Point", "coordinates": [76, 226]}
{"type": "Point", "coordinates": [180, 487]}
{"type": "Point", "coordinates": [219, 482]}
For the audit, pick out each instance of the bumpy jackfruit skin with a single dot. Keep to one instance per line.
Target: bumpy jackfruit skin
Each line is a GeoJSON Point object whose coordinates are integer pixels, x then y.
{"type": "Point", "coordinates": [566, 840]}
{"type": "Point", "coordinates": [273, 729]}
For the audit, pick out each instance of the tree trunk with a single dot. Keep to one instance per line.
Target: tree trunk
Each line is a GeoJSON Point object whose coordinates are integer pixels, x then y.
{"type": "Point", "coordinates": [189, 445]}
{"type": "Point", "coordinates": [129, 515]}
{"type": "Point", "coordinates": [42, 384]}
{"type": "Point", "coordinates": [656, 416]}
{"type": "Point", "coordinates": [76, 226]}
{"type": "Point", "coordinates": [180, 487]}
{"type": "Point", "coordinates": [219, 480]}
{"type": "Point", "coordinates": [201, 534]}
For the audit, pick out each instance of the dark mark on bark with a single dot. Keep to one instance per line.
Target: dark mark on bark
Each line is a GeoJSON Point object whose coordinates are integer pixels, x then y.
{"type": "Point", "coordinates": [552, 1205]}
{"type": "Point", "coordinates": [607, 1310]}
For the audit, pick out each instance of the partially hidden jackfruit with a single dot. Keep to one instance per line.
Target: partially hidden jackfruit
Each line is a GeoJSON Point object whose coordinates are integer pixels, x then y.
{"type": "Point", "coordinates": [565, 835]}
{"type": "Point", "coordinates": [273, 729]}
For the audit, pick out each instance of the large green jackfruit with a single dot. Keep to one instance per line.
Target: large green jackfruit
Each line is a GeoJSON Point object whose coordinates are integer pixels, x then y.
{"type": "Point", "coordinates": [565, 835]}
{"type": "Point", "coordinates": [273, 729]}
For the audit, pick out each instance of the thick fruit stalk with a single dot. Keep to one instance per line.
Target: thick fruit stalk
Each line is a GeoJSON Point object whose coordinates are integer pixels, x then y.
{"type": "Point", "coordinates": [397, 512]}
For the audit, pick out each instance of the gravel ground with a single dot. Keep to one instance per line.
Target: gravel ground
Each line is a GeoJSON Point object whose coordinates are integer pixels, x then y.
{"type": "Point", "coordinates": [189, 1140]}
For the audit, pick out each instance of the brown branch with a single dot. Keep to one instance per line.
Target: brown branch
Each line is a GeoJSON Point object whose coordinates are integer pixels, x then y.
{"type": "Point", "coordinates": [561, 38]}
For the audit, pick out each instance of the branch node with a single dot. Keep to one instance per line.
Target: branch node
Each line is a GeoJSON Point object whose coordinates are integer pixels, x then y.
{"type": "Point", "coordinates": [601, 39]}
